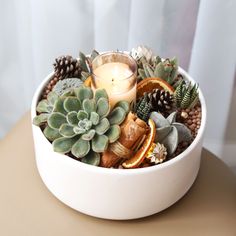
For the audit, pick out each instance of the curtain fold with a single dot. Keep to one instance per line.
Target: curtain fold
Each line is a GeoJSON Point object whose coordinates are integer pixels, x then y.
{"type": "Point", "coordinates": [213, 64]}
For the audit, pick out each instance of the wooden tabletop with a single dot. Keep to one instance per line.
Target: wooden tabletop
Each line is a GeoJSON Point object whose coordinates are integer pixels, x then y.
{"type": "Point", "coordinates": [28, 208]}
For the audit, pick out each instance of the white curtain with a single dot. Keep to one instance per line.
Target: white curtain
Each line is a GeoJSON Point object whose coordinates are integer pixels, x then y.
{"type": "Point", "coordinates": [200, 33]}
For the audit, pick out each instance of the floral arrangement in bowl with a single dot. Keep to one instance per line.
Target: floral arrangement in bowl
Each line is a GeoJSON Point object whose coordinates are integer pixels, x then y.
{"type": "Point", "coordinates": [80, 121]}
{"type": "Point", "coordinates": [118, 135]}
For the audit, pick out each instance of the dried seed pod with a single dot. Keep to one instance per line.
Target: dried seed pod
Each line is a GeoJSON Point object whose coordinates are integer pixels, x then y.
{"type": "Point", "coordinates": [157, 153]}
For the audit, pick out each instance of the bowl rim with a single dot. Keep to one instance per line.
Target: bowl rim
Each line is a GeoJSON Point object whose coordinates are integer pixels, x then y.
{"type": "Point", "coordinates": [98, 169]}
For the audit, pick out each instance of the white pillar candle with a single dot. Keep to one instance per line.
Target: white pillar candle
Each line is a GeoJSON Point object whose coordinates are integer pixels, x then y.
{"type": "Point", "coordinates": [117, 78]}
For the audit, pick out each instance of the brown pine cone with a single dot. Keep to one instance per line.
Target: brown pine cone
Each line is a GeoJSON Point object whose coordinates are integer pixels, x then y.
{"type": "Point", "coordinates": [66, 67]}
{"type": "Point", "coordinates": [160, 100]}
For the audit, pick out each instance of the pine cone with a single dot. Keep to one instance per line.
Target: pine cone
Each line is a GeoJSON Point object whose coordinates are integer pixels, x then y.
{"type": "Point", "coordinates": [160, 100]}
{"type": "Point", "coordinates": [66, 67]}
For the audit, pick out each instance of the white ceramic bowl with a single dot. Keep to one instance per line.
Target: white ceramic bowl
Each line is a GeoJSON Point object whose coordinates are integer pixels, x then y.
{"type": "Point", "coordinates": [116, 193]}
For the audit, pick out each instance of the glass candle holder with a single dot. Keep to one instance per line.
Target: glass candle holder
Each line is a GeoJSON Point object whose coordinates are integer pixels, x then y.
{"type": "Point", "coordinates": [116, 72]}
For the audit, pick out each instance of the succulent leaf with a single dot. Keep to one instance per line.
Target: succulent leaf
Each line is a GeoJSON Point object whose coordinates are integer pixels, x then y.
{"type": "Point", "coordinates": [43, 106]}
{"type": "Point", "coordinates": [92, 158]}
{"type": "Point", "coordinates": [69, 93]}
{"type": "Point", "coordinates": [162, 133]}
{"type": "Point", "coordinates": [51, 134]}
{"type": "Point", "coordinates": [174, 70]}
{"type": "Point", "coordinates": [52, 98]}
{"type": "Point", "coordinates": [94, 117]}
{"type": "Point", "coordinates": [141, 73]}
{"type": "Point", "coordinates": [100, 93]}
{"type": "Point", "coordinates": [178, 93]}
{"type": "Point", "coordinates": [99, 143]}
{"type": "Point", "coordinates": [71, 118]}
{"type": "Point", "coordinates": [103, 107]}
{"type": "Point", "coordinates": [82, 115]}
{"type": "Point", "coordinates": [83, 92]}
{"type": "Point", "coordinates": [159, 71]}
{"type": "Point", "coordinates": [186, 98]}
{"type": "Point", "coordinates": [63, 145]}
{"type": "Point", "coordinates": [171, 141]}
{"type": "Point", "coordinates": [59, 106]}
{"type": "Point", "coordinates": [123, 104]}
{"type": "Point", "coordinates": [117, 116]}
{"type": "Point", "coordinates": [89, 105]}
{"type": "Point", "coordinates": [56, 119]}
{"type": "Point", "coordinates": [67, 131]}
{"type": "Point", "coordinates": [148, 70]}
{"type": "Point", "coordinates": [80, 148]}
{"type": "Point", "coordinates": [42, 118]}
{"type": "Point", "coordinates": [85, 75]}
{"type": "Point", "coordinates": [159, 119]}
{"type": "Point", "coordinates": [89, 135]}
{"type": "Point", "coordinates": [194, 102]}
{"type": "Point", "coordinates": [184, 133]}
{"type": "Point", "coordinates": [72, 104]}
{"type": "Point", "coordinates": [113, 133]}
{"type": "Point", "coordinates": [85, 124]}
{"type": "Point", "coordinates": [103, 126]}
{"type": "Point", "coordinates": [172, 117]}
{"type": "Point", "coordinates": [79, 130]}
{"type": "Point", "coordinates": [94, 54]}
{"type": "Point", "coordinates": [83, 62]}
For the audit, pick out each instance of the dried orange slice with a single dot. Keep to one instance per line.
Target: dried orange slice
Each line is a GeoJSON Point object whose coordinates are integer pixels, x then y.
{"type": "Point", "coordinates": [140, 155]}
{"type": "Point", "coordinates": [88, 81]}
{"type": "Point", "coordinates": [148, 84]}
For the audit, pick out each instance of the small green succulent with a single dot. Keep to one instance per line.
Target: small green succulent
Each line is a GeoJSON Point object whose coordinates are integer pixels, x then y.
{"type": "Point", "coordinates": [45, 108]}
{"type": "Point", "coordinates": [81, 123]}
{"type": "Point", "coordinates": [166, 70]}
{"type": "Point", "coordinates": [65, 85]}
{"type": "Point", "coordinates": [143, 108]}
{"type": "Point", "coordinates": [186, 95]}
{"type": "Point", "coordinates": [85, 63]}
{"type": "Point", "coordinates": [169, 132]}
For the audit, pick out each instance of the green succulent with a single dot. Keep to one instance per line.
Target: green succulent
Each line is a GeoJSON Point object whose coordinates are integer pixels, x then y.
{"type": "Point", "coordinates": [66, 85]}
{"type": "Point", "coordinates": [45, 108]}
{"type": "Point", "coordinates": [143, 108]}
{"type": "Point", "coordinates": [169, 132]}
{"type": "Point", "coordinates": [81, 123]}
{"type": "Point", "coordinates": [85, 63]}
{"type": "Point", "coordinates": [166, 70]}
{"type": "Point", "coordinates": [186, 95]}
